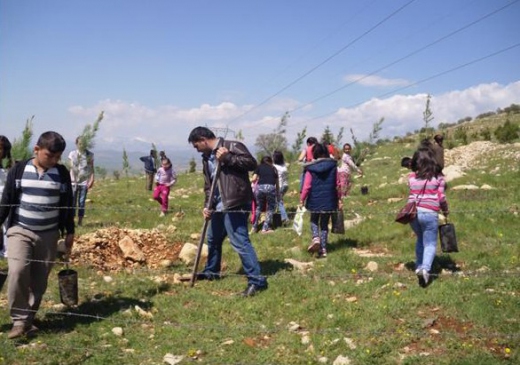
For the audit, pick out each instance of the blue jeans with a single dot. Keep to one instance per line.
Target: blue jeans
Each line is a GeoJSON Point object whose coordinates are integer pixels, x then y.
{"type": "Point", "coordinates": [281, 206]}
{"type": "Point", "coordinates": [265, 197]}
{"type": "Point", "coordinates": [233, 224]}
{"type": "Point", "coordinates": [425, 227]}
{"type": "Point", "coordinates": [80, 196]}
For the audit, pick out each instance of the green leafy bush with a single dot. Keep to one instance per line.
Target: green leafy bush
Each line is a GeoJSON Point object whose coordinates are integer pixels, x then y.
{"type": "Point", "coordinates": [507, 132]}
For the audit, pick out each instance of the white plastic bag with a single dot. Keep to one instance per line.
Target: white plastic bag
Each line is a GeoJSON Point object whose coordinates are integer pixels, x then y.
{"type": "Point", "coordinates": [298, 220]}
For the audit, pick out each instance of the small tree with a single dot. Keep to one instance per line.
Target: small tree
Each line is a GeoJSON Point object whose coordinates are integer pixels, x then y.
{"type": "Point", "coordinates": [297, 145]}
{"type": "Point", "coordinates": [268, 143]}
{"type": "Point", "coordinates": [363, 149]}
{"type": "Point", "coordinates": [193, 166]}
{"type": "Point", "coordinates": [156, 158]}
{"type": "Point", "coordinates": [86, 138]}
{"type": "Point", "coordinates": [339, 137]}
{"type": "Point", "coordinates": [21, 148]}
{"type": "Point", "coordinates": [126, 164]}
{"type": "Point", "coordinates": [327, 136]}
{"type": "Point", "coordinates": [239, 136]}
{"type": "Point", "coordinates": [427, 118]}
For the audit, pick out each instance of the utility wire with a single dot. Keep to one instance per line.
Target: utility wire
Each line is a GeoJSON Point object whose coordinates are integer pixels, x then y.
{"type": "Point", "coordinates": [325, 61]}
{"type": "Point", "coordinates": [425, 79]}
{"type": "Point", "coordinates": [405, 57]}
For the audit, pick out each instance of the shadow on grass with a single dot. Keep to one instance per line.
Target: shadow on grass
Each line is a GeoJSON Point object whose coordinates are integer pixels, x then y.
{"type": "Point", "coordinates": [87, 312]}
{"type": "Point", "coordinates": [443, 262]}
{"type": "Point", "coordinates": [342, 244]}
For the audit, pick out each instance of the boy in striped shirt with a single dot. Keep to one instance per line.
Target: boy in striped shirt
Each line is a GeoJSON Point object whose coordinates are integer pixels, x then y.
{"type": "Point", "coordinates": [37, 204]}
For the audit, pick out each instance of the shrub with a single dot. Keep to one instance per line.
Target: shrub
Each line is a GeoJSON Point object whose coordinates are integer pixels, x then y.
{"type": "Point", "coordinates": [507, 133]}
{"type": "Point", "coordinates": [485, 134]}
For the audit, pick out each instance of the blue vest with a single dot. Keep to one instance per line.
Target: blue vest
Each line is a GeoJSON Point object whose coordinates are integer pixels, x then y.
{"type": "Point", "coordinates": [323, 195]}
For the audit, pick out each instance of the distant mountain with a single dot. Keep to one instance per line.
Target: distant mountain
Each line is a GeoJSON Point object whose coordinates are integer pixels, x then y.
{"type": "Point", "coordinates": [112, 160]}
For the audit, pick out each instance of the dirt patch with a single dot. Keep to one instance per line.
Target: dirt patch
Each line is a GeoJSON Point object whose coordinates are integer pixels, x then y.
{"type": "Point", "coordinates": [100, 249]}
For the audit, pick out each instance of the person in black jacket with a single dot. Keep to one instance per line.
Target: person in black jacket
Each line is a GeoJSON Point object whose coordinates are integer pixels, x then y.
{"type": "Point", "coordinates": [150, 168]}
{"type": "Point", "coordinates": [229, 207]}
{"type": "Point", "coordinates": [37, 204]}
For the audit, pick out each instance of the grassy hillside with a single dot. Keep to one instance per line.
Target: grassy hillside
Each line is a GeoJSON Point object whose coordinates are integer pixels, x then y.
{"type": "Point", "coordinates": [314, 312]}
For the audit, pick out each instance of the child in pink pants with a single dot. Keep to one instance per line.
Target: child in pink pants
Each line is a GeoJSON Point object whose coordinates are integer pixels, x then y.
{"type": "Point", "coordinates": [165, 179]}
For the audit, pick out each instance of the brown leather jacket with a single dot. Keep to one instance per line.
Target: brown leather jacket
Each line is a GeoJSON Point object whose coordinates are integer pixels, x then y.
{"type": "Point", "coordinates": [233, 182]}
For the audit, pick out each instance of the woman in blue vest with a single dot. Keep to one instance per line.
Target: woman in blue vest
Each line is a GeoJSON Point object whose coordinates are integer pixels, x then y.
{"type": "Point", "coordinates": [321, 196]}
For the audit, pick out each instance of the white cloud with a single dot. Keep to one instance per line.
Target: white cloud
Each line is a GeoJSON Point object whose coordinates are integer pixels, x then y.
{"type": "Point", "coordinates": [404, 113]}
{"type": "Point", "coordinates": [126, 123]}
{"type": "Point", "coordinates": [374, 80]}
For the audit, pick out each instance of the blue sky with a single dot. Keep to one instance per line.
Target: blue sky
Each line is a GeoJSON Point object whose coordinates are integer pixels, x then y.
{"type": "Point", "coordinates": [159, 68]}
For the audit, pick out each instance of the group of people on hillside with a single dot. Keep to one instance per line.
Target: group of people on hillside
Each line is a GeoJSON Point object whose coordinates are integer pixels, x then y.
{"type": "Point", "coordinates": [37, 192]}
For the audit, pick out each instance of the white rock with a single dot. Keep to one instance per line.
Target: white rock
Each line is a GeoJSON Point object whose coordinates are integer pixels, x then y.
{"type": "Point", "coordinates": [118, 331]}
{"type": "Point", "coordinates": [341, 360]}
{"type": "Point", "coordinates": [452, 172]}
{"type": "Point", "coordinates": [350, 343]}
{"type": "Point", "coordinates": [302, 266]}
{"type": "Point", "coordinates": [108, 279]}
{"type": "Point", "coordinates": [372, 266]}
{"type": "Point", "coordinates": [189, 253]}
{"type": "Point", "coordinates": [142, 312]}
{"type": "Point", "coordinates": [172, 359]}
{"type": "Point", "coordinates": [465, 187]}
{"type": "Point", "coordinates": [306, 340]}
{"type": "Point", "coordinates": [323, 360]}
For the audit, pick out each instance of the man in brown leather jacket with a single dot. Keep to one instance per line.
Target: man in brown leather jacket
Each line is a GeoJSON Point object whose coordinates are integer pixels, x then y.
{"type": "Point", "coordinates": [229, 208]}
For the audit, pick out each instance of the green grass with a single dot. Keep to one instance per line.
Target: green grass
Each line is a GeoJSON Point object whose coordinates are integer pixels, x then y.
{"type": "Point", "coordinates": [469, 315]}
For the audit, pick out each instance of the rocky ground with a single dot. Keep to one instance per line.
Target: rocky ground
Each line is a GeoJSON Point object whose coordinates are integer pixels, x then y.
{"type": "Point", "coordinates": [114, 249]}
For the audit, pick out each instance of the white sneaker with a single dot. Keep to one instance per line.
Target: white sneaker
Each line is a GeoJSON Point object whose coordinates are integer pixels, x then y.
{"type": "Point", "coordinates": [162, 214]}
{"type": "Point", "coordinates": [426, 276]}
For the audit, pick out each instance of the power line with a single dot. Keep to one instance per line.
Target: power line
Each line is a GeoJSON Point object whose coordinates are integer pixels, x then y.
{"type": "Point", "coordinates": [426, 79]}
{"type": "Point", "coordinates": [407, 56]}
{"type": "Point", "coordinates": [388, 17]}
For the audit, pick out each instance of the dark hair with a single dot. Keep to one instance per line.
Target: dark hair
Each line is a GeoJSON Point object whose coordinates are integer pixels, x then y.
{"type": "Point", "coordinates": [405, 162]}
{"type": "Point", "coordinates": [424, 163]}
{"type": "Point", "coordinates": [347, 144]}
{"type": "Point", "coordinates": [6, 146]}
{"type": "Point", "coordinates": [312, 140]}
{"type": "Point", "coordinates": [438, 138]}
{"type": "Point", "coordinates": [167, 160]}
{"type": "Point", "coordinates": [267, 160]}
{"type": "Point", "coordinates": [152, 153]}
{"type": "Point", "coordinates": [278, 158]}
{"type": "Point", "coordinates": [199, 133]}
{"type": "Point", "coordinates": [319, 151]}
{"type": "Point", "coordinates": [52, 141]}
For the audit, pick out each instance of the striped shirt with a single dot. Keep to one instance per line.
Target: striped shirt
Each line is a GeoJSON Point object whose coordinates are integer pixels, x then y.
{"type": "Point", "coordinates": [39, 199]}
{"type": "Point", "coordinates": [432, 197]}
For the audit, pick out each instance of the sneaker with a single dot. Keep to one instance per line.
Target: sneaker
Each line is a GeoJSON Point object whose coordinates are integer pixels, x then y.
{"type": "Point", "coordinates": [267, 231]}
{"type": "Point", "coordinates": [314, 246]}
{"type": "Point", "coordinates": [423, 276]}
{"type": "Point", "coordinates": [322, 253]}
{"type": "Point", "coordinates": [20, 330]}
{"type": "Point", "coordinates": [162, 214]}
{"type": "Point", "coordinates": [16, 331]}
{"type": "Point", "coordinates": [426, 277]}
